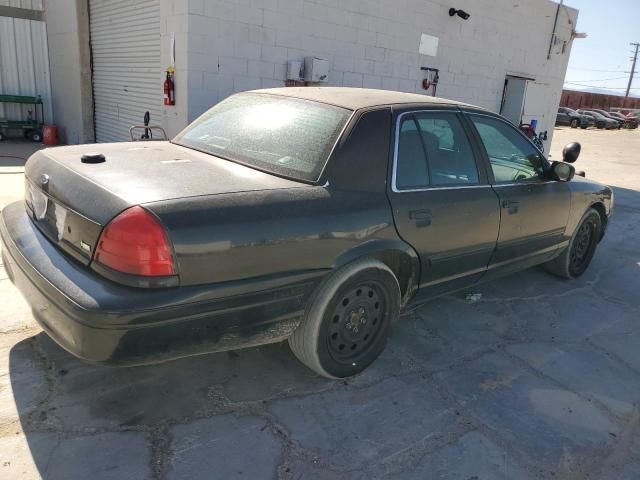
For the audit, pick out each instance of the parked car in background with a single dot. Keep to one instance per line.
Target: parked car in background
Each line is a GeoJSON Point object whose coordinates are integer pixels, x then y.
{"type": "Point", "coordinates": [590, 119]}
{"type": "Point", "coordinates": [601, 120]}
{"type": "Point", "coordinates": [627, 122]}
{"type": "Point", "coordinates": [309, 214]}
{"type": "Point", "coordinates": [568, 116]}
{"type": "Point", "coordinates": [606, 114]}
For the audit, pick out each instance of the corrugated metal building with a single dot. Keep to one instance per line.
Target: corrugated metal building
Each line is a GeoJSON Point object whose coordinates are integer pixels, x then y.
{"type": "Point", "coordinates": [24, 62]}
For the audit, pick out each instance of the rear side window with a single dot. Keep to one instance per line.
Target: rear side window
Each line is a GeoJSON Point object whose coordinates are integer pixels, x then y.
{"type": "Point", "coordinates": [411, 167]}
{"type": "Point", "coordinates": [433, 150]}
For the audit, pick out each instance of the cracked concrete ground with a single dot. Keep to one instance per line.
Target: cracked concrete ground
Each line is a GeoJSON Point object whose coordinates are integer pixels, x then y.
{"type": "Point", "coordinates": [539, 379]}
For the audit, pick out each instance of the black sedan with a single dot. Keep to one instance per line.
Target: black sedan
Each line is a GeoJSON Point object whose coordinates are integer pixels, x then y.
{"type": "Point", "coordinates": [608, 115]}
{"type": "Point", "coordinates": [601, 120]}
{"type": "Point", "coordinates": [567, 116]}
{"type": "Point", "coordinates": [309, 214]}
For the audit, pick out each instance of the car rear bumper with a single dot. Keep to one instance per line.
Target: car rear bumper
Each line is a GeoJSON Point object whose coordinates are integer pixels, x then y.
{"type": "Point", "coordinates": [104, 322]}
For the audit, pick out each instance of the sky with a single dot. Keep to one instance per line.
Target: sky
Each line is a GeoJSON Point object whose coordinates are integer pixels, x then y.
{"type": "Point", "coordinates": [600, 60]}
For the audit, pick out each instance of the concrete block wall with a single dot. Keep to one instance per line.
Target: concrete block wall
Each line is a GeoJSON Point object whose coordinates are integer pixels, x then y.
{"type": "Point", "coordinates": [236, 45]}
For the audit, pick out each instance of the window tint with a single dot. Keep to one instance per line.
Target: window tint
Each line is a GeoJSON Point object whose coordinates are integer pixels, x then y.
{"type": "Point", "coordinates": [411, 167]}
{"type": "Point", "coordinates": [449, 154]}
{"type": "Point", "coordinates": [283, 135]}
{"type": "Point", "coordinates": [433, 149]}
{"type": "Point", "coordinates": [512, 157]}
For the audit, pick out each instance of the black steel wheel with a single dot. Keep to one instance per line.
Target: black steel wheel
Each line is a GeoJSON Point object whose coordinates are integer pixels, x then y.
{"type": "Point", "coordinates": [575, 259]}
{"type": "Point", "coordinates": [357, 321]}
{"type": "Point", "coordinates": [584, 245]}
{"type": "Point", "coordinates": [347, 322]}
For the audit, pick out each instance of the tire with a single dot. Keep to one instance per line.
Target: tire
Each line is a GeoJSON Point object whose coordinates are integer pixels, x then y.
{"type": "Point", "coordinates": [1, 136]}
{"type": "Point", "coordinates": [575, 259]}
{"type": "Point", "coordinates": [584, 127]}
{"type": "Point", "coordinates": [346, 323]}
{"type": "Point", "coordinates": [575, 123]}
{"type": "Point", "coordinates": [36, 136]}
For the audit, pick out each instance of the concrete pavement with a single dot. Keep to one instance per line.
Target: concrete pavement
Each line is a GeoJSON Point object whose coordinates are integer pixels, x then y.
{"type": "Point", "coordinates": [538, 379]}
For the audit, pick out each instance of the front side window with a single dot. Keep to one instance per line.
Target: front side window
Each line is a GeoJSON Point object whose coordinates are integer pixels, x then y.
{"type": "Point", "coordinates": [433, 150]}
{"type": "Point", "coordinates": [282, 135]}
{"type": "Point", "coordinates": [512, 157]}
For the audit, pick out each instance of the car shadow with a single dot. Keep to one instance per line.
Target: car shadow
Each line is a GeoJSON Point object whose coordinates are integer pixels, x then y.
{"type": "Point", "coordinates": [58, 396]}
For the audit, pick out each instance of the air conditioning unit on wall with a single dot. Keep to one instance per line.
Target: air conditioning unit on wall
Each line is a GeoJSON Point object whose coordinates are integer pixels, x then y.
{"type": "Point", "coordinates": [316, 70]}
{"type": "Point", "coordinates": [295, 70]}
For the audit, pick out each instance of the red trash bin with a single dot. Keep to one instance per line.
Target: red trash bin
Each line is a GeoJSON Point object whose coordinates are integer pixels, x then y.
{"type": "Point", "coordinates": [50, 135]}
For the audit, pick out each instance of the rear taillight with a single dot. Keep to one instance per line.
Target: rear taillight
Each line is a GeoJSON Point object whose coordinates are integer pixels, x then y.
{"type": "Point", "coordinates": [135, 242]}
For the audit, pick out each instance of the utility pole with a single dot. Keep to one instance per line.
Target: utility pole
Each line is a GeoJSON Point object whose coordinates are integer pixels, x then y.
{"type": "Point", "coordinates": [633, 68]}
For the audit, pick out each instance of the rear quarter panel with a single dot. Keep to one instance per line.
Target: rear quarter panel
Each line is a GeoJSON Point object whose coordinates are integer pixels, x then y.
{"type": "Point", "coordinates": [245, 235]}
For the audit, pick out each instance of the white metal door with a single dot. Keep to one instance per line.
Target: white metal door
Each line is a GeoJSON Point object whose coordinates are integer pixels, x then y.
{"type": "Point", "coordinates": [127, 76]}
{"type": "Point", "coordinates": [515, 90]}
{"type": "Point", "coordinates": [24, 66]}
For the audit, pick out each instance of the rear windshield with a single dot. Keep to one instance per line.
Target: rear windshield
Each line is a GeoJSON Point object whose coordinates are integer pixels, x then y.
{"type": "Point", "coordinates": [282, 135]}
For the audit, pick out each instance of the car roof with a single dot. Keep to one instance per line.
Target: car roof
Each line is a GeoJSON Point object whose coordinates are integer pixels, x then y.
{"type": "Point", "coordinates": [358, 98]}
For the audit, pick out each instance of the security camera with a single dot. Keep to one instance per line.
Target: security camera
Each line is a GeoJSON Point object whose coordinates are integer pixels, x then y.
{"type": "Point", "coordinates": [461, 13]}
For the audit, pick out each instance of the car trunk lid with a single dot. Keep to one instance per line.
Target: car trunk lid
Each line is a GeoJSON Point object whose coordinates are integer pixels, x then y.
{"type": "Point", "coordinates": [71, 201]}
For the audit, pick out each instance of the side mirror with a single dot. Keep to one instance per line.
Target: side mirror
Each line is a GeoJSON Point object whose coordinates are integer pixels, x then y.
{"type": "Point", "coordinates": [563, 172]}
{"type": "Point", "coordinates": [571, 152]}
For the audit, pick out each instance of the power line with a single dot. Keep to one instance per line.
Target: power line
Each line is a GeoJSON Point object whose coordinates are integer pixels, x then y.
{"type": "Point", "coordinates": [597, 70]}
{"type": "Point", "coordinates": [600, 86]}
{"type": "Point", "coordinates": [602, 79]}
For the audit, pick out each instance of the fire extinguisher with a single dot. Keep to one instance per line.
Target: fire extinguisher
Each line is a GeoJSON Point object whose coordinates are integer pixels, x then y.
{"type": "Point", "coordinates": [169, 89]}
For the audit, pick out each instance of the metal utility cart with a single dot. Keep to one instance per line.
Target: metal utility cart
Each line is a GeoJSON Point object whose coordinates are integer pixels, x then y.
{"type": "Point", "coordinates": [32, 126]}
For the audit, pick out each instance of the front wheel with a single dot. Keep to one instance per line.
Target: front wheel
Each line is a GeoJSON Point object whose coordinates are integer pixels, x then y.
{"type": "Point", "coordinates": [36, 136]}
{"type": "Point", "coordinates": [575, 259]}
{"type": "Point", "coordinates": [575, 123]}
{"type": "Point", "coordinates": [347, 322]}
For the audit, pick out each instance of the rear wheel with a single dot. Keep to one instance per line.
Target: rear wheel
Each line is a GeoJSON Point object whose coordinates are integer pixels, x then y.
{"type": "Point", "coordinates": [575, 123]}
{"type": "Point", "coordinates": [36, 136]}
{"type": "Point", "coordinates": [347, 322]}
{"type": "Point", "coordinates": [575, 259]}
{"type": "Point", "coordinates": [1, 136]}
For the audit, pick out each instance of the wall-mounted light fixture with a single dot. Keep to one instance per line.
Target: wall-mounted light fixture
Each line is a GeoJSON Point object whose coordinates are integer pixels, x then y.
{"type": "Point", "coordinates": [461, 13]}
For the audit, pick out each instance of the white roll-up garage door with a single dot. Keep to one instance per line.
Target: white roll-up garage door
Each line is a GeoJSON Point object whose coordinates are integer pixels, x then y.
{"type": "Point", "coordinates": [127, 75]}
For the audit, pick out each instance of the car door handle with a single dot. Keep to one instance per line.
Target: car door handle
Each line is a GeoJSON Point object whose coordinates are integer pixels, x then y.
{"type": "Point", "coordinates": [421, 217]}
{"type": "Point", "coordinates": [511, 205]}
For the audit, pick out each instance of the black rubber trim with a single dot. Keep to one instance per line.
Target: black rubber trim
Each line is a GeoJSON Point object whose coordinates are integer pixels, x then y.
{"type": "Point", "coordinates": [138, 281]}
